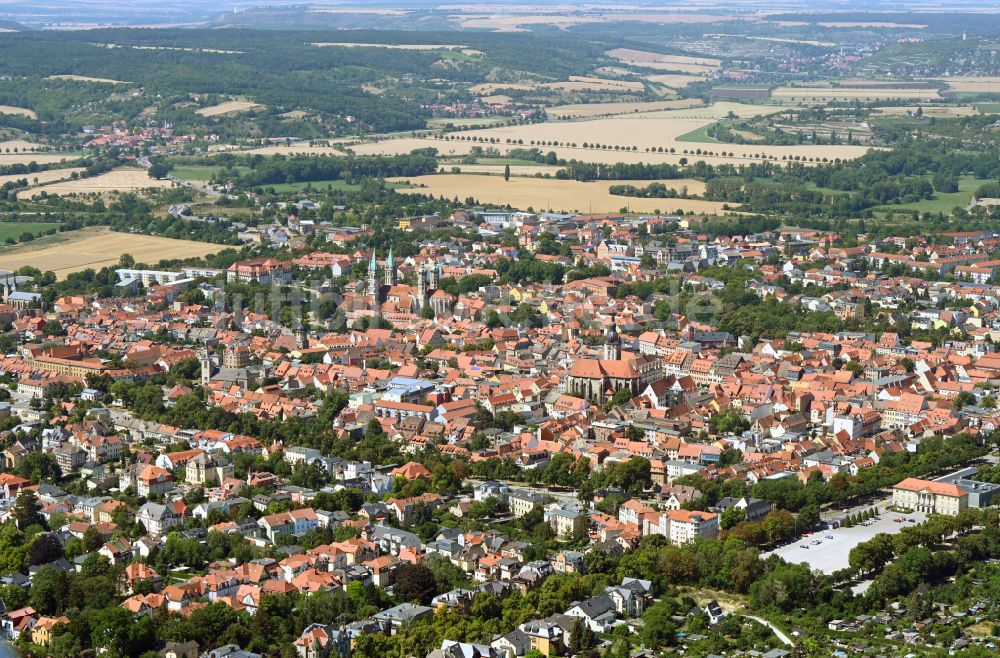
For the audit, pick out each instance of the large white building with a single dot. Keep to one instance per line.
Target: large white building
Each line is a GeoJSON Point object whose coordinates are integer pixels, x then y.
{"type": "Point", "coordinates": [930, 496]}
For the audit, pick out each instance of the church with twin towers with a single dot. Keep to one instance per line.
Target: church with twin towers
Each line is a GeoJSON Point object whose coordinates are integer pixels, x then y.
{"type": "Point", "coordinates": [392, 296]}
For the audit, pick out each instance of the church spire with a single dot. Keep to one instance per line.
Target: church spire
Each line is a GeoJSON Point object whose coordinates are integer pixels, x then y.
{"type": "Point", "coordinates": [613, 344]}
{"type": "Point", "coordinates": [373, 276]}
{"type": "Point", "coordinates": [390, 269]}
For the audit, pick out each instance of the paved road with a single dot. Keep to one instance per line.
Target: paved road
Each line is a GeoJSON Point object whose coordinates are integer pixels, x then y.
{"type": "Point", "coordinates": [778, 632]}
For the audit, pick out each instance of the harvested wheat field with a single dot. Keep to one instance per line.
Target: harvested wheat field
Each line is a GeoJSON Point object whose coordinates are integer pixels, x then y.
{"type": "Point", "coordinates": [579, 82]}
{"type": "Point", "coordinates": [973, 85]}
{"type": "Point", "coordinates": [915, 26]}
{"type": "Point", "coordinates": [119, 180]}
{"type": "Point", "coordinates": [96, 248]}
{"type": "Point", "coordinates": [390, 46]}
{"type": "Point", "coordinates": [498, 169]}
{"type": "Point", "coordinates": [819, 94]}
{"type": "Point", "coordinates": [42, 177]}
{"type": "Point", "coordinates": [673, 80]}
{"type": "Point", "coordinates": [940, 111]}
{"type": "Point", "coordinates": [557, 195]}
{"type": "Point", "coordinates": [518, 23]}
{"type": "Point", "coordinates": [40, 157]}
{"type": "Point", "coordinates": [229, 107]}
{"type": "Point", "coordinates": [624, 138]}
{"type": "Point", "coordinates": [294, 149]}
{"type": "Point", "coordinates": [606, 109]}
{"type": "Point", "coordinates": [493, 87]}
{"type": "Point", "coordinates": [19, 111]}
{"type": "Point", "coordinates": [21, 145]}
{"type": "Point", "coordinates": [680, 63]}
{"type": "Point", "coordinates": [87, 78]}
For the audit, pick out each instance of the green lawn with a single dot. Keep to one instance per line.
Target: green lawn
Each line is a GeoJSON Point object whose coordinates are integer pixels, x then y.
{"type": "Point", "coordinates": [199, 172]}
{"type": "Point", "coordinates": [15, 230]}
{"type": "Point", "coordinates": [943, 203]}
{"type": "Point", "coordinates": [700, 136]}
{"type": "Point", "coordinates": [988, 108]}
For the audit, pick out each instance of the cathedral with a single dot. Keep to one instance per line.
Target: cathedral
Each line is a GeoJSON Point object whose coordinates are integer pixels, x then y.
{"type": "Point", "coordinates": [599, 379]}
{"type": "Point", "coordinates": [393, 297]}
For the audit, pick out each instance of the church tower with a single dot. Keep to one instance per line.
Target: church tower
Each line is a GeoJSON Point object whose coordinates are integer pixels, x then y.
{"type": "Point", "coordinates": [421, 288]}
{"type": "Point", "coordinates": [390, 269]}
{"type": "Point", "coordinates": [373, 277]}
{"type": "Point", "coordinates": [433, 283]}
{"type": "Point", "coordinates": [206, 369]}
{"type": "Point", "coordinates": [613, 346]}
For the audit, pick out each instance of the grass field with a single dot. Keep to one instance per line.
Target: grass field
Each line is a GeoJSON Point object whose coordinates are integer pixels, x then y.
{"type": "Point", "coordinates": [699, 135]}
{"type": "Point", "coordinates": [942, 202]}
{"type": "Point", "coordinates": [118, 180]}
{"type": "Point", "coordinates": [15, 230]}
{"type": "Point", "coordinates": [98, 247]}
{"type": "Point", "coordinates": [558, 195]}
{"type": "Point", "coordinates": [199, 172]}
{"type": "Point", "coordinates": [988, 108]}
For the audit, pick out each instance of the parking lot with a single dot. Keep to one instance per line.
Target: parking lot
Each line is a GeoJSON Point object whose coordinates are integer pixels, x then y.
{"type": "Point", "coordinates": [831, 554]}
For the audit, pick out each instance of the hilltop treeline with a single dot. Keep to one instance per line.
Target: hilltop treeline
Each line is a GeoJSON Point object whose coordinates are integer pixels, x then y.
{"type": "Point", "coordinates": [302, 169]}
{"type": "Point", "coordinates": [279, 69]}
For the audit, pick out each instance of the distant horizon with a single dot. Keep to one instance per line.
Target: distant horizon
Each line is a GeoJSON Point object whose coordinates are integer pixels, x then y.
{"type": "Point", "coordinates": [55, 14]}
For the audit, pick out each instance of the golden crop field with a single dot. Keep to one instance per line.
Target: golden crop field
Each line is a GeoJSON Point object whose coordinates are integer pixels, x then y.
{"type": "Point", "coordinates": [229, 107]}
{"type": "Point", "coordinates": [605, 109]}
{"type": "Point", "coordinates": [21, 145]}
{"type": "Point", "coordinates": [518, 23]}
{"type": "Point", "coordinates": [42, 177]}
{"type": "Point", "coordinates": [119, 180]}
{"type": "Point", "coordinates": [582, 83]}
{"type": "Point", "coordinates": [673, 80]}
{"type": "Point", "coordinates": [99, 247]}
{"type": "Point", "coordinates": [624, 138]}
{"type": "Point", "coordinates": [558, 195]}
{"type": "Point", "coordinates": [940, 111]}
{"type": "Point", "coordinates": [404, 46]}
{"type": "Point", "coordinates": [20, 111]}
{"type": "Point", "coordinates": [681, 63]}
{"type": "Point", "coordinates": [973, 84]}
{"type": "Point", "coordinates": [819, 94]}
{"type": "Point", "coordinates": [915, 26]}
{"type": "Point", "coordinates": [87, 78]}
{"type": "Point", "coordinates": [498, 169]}
{"type": "Point", "coordinates": [294, 149]}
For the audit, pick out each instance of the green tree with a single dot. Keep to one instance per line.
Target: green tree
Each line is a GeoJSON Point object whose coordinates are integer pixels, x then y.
{"type": "Point", "coordinates": [27, 510]}
{"type": "Point", "coordinates": [415, 582]}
